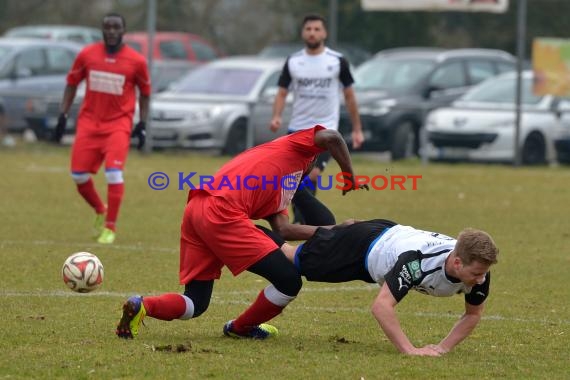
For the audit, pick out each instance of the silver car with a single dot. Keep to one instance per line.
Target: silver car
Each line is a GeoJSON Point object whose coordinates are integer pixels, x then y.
{"type": "Point", "coordinates": [31, 68]}
{"type": "Point", "coordinates": [214, 105]}
{"type": "Point", "coordinates": [480, 126]}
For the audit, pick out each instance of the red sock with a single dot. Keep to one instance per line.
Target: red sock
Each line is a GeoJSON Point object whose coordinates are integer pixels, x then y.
{"type": "Point", "coordinates": [88, 192]}
{"type": "Point", "coordinates": [262, 310]}
{"type": "Point", "coordinates": [165, 307]}
{"type": "Point", "coordinates": [114, 197]}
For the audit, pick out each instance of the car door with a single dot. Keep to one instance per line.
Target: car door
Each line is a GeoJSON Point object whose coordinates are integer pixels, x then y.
{"type": "Point", "coordinates": [447, 83]}
{"type": "Point", "coordinates": [262, 111]}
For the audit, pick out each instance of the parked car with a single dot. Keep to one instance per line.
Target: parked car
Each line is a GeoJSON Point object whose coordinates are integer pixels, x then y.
{"type": "Point", "coordinates": [480, 126]}
{"type": "Point", "coordinates": [43, 109]}
{"type": "Point", "coordinates": [397, 87]}
{"type": "Point", "coordinates": [562, 133]}
{"type": "Point", "coordinates": [173, 45]}
{"type": "Point", "coordinates": [213, 105]}
{"type": "Point", "coordinates": [79, 34]}
{"type": "Point", "coordinates": [354, 54]}
{"type": "Point", "coordinates": [30, 67]}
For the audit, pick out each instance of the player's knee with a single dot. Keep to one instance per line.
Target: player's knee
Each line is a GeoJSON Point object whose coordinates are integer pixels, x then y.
{"type": "Point", "coordinates": [80, 178]}
{"type": "Point", "coordinates": [114, 176]}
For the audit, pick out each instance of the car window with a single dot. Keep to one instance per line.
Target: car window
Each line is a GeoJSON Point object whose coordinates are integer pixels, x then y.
{"type": "Point", "coordinates": [504, 67]}
{"type": "Point", "coordinates": [219, 81]}
{"type": "Point", "coordinates": [450, 75]}
{"type": "Point", "coordinates": [391, 73]}
{"type": "Point", "coordinates": [94, 37]}
{"type": "Point", "coordinates": [202, 51]}
{"type": "Point", "coordinates": [173, 50]}
{"type": "Point", "coordinates": [33, 60]}
{"type": "Point", "coordinates": [59, 60]}
{"type": "Point", "coordinates": [135, 45]}
{"type": "Point", "coordinates": [77, 37]}
{"type": "Point", "coordinates": [271, 81]}
{"type": "Point", "coordinates": [501, 90]}
{"type": "Point", "coordinates": [478, 71]}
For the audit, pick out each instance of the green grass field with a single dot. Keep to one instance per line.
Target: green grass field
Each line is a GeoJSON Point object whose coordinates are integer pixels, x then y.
{"type": "Point", "coordinates": [47, 331]}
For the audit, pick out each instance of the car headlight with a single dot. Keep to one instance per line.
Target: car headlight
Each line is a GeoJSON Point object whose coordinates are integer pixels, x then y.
{"type": "Point", "coordinates": [204, 115]}
{"type": "Point", "coordinates": [379, 108]}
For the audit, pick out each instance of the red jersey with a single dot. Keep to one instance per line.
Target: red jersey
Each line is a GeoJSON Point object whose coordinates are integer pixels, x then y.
{"type": "Point", "coordinates": [111, 80]}
{"type": "Point", "coordinates": [262, 180]}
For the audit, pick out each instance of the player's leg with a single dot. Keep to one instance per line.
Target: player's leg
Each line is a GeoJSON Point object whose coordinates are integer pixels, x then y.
{"type": "Point", "coordinates": [270, 302]}
{"type": "Point", "coordinates": [115, 151]}
{"type": "Point", "coordinates": [86, 158]}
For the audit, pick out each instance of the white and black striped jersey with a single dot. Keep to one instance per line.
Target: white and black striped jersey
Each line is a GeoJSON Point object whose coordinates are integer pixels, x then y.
{"type": "Point", "coordinates": [316, 82]}
{"type": "Point", "coordinates": [407, 258]}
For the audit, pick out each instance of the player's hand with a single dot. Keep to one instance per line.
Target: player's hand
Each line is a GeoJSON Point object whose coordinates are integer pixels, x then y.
{"type": "Point", "coordinates": [437, 348]}
{"type": "Point", "coordinates": [275, 124]}
{"type": "Point", "coordinates": [348, 179]}
{"type": "Point", "coordinates": [424, 351]}
{"type": "Point", "coordinates": [140, 133]}
{"type": "Point", "coordinates": [357, 139]}
{"type": "Point", "coordinates": [60, 128]}
{"type": "Point", "coordinates": [348, 222]}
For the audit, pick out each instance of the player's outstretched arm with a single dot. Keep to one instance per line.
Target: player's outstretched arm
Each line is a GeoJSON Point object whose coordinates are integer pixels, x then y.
{"type": "Point", "coordinates": [384, 310]}
{"type": "Point", "coordinates": [332, 141]}
{"type": "Point", "coordinates": [280, 224]}
{"type": "Point", "coordinates": [462, 328]}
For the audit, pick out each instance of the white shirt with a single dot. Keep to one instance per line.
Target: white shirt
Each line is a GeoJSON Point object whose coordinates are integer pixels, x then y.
{"type": "Point", "coordinates": [316, 82]}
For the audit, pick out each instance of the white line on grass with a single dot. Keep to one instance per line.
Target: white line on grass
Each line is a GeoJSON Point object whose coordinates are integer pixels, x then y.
{"type": "Point", "coordinates": [89, 244]}
{"type": "Point", "coordinates": [216, 299]}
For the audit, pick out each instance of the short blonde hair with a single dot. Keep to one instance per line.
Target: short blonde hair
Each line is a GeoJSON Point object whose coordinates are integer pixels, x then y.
{"type": "Point", "coordinates": [476, 245]}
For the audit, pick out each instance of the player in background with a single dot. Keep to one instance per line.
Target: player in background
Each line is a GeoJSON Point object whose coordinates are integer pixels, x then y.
{"type": "Point", "coordinates": [112, 71]}
{"type": "Point", "coordinates": [217, 230]}
{"type": "Point", "coordinates": [401, 258]}
{"type": "Point", "coordinates": [316, 75]}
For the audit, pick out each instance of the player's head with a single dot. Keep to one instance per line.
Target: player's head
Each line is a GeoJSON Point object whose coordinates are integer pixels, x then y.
{"type": "Point", "coordinates": [113, 27]}
{"type": "Point", "coordinates": [314, 31]}
{"type": "Point", "coordinates": [475, 251]}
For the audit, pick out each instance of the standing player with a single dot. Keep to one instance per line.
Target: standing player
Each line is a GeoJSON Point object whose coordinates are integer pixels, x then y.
{"type": "Point", "coordinates": [401, 258]}
{"type": "Point", "coordinates": [217, 230]}
{"type": "Point", "coordinates": [316, 75]}
{"type": "Point", "coordinates": [112, 70]}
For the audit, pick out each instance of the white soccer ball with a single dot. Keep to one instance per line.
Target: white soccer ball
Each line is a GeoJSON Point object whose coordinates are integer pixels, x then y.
{"type": "Point", "coordinates": [82, 272]}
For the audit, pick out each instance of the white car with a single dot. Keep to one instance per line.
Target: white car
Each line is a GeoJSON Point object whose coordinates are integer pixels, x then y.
{"type": "Point", "coordinates": [214, 106]}
{"type": "Point", "coordinates": [480, 126]}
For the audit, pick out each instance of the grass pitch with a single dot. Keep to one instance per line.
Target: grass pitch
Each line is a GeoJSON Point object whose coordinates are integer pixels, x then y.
{"type": "Point", "coordinates": [47, 331]}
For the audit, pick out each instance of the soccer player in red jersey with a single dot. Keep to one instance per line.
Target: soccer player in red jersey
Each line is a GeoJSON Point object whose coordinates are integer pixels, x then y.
{"type": "Point", "coordinates": [112, 71]}
{"type": "Point", "coordinates": [217, 230]}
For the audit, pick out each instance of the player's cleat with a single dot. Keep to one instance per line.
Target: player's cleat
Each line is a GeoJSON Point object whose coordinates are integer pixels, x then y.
{"type": "Point", "coordinates": [98, 225]}
{"type": "Point", "coordinates": [106, 237]}
{"type": "Point", "coordinates": [133, 315]}
{"type": "Point", "coordinates": [262, 331]}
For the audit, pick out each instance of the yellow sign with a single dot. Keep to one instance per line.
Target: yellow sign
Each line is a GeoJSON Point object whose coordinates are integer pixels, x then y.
{"type": "Point", "coordinates": [551, 65]}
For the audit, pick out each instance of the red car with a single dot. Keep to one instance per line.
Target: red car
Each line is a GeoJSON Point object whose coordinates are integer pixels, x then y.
{"type": "Point", "coordinates": [173, 45]}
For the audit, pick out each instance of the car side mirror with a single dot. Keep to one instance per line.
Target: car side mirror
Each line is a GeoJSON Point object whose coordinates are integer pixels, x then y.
{"type": "Point", "coordinates": [268, 95]}
{"type": "Point", "coordinates": [560, 107]}
{"type": "Point", "coordinates": [429, 90]}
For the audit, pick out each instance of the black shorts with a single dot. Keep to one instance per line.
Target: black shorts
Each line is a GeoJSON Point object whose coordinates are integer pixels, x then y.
{"type": "Point", "coordinates": [339, 254]}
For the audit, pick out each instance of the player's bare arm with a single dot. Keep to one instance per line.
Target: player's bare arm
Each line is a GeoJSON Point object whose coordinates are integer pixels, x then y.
{"type": "Point", "coordinates": [280, 224]}
{"type": "Point", "coordinates": [352, 107]}
{"type": "Point", "coordinates": [67, 101]}
{"type": "Point", "coordinates": [278, 106]}
{"type": "Point", "coordinates": [463, 328]}
{"type": "Point", "coordinates": [384, 310]}
{"type": "Point", "coordinates": [332, 141]}
{"type": "Point", "coordinates": [143, 107]}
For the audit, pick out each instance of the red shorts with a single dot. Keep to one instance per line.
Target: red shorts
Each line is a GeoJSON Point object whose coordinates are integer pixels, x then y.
{"type": "Point", "coordinates": [90, 150]}
{"type": "Point", "coordinates": [215, 234]}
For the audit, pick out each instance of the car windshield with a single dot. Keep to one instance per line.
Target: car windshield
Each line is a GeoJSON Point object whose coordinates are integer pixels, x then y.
{"type": "Point", "coordinates": [391, 73]}
{"type": "Point", "coordinates": [219, 81]}
{"type": "Point", "coordinates": [501, 90]}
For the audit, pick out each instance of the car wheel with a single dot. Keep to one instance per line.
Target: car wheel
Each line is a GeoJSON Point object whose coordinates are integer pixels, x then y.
{"type": "Point", "coordinates": [236, 141]}
{"type": "Point", "coordinates": [534, 150]}
{"type": "Point", "coordinates": [403, 141]}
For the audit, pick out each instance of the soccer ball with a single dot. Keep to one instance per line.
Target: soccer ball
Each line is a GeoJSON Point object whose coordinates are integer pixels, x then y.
{"type": "Point", "coordinates": [82, 272]}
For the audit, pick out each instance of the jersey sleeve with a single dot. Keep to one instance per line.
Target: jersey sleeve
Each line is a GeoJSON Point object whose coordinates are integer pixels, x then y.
{"type": "Point", "coordinates": [304, 140]}
{"type": "Point", "coordinates": [405, 274]}
{"type": "Point", "coordinates": [78, 71]}
{"type": "Point", "coordinates": [143, 79]}
{"type": "Point", "coordinates": [479, 293]}
{"type": "Point", "coordinates": [285, 77]}
{"type": "Point", "coordinates": [345, 76]}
